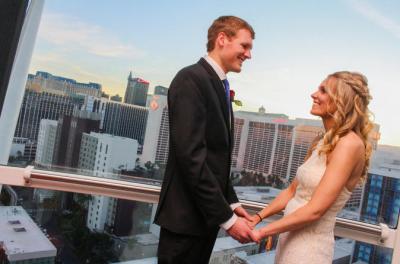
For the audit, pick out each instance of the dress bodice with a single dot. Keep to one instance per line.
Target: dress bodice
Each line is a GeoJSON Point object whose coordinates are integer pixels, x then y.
{"type": "Point", "coordinates": [313, 243]}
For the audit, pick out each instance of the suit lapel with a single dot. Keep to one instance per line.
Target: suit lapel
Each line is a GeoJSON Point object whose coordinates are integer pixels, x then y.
{"type": "Point", "coordinates": [219, 89]}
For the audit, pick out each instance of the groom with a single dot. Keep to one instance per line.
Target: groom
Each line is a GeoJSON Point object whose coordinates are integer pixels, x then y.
{"type": "Point", "coordinates": [197, 196]}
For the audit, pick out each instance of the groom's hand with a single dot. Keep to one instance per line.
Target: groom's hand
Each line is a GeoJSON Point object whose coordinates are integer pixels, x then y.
{"type": "Point", "coordinates": [241, 231]}
{"type": "Point", "coordinates": [240, 211]}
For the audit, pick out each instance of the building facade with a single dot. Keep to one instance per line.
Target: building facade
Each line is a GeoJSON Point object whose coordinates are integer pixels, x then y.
{"type": "Point", "coordinates": [156, 143]}
{"type": "Point", "coordinates": [46, 142]}
{"type": "Point", "coordinates": [46, 82]}
{"type": "Point", "coordinates": [103, 155]}
{"type": "Point", "coordinates": [136, 91]}
{"type": "Point", "coordinates": [272, 144]}
{"type": "Point", "coordinates": [69, 135]}
{"type": "Point", "coordinates": [160, 90]}
{"type": "Point", "coordinates": [43, 105]}
{"type": "Point", "coordinates": [381, 202]}
{"type": "Point", "coordinates": [123, 120]}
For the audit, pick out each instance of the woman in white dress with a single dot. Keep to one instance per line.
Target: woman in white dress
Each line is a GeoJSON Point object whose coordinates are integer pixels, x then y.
{"type": "Point", "coordinates": [336, 163]}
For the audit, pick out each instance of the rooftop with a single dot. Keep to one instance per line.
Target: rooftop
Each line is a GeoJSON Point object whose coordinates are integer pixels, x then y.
{"type": "Point", "coordinates": [22, 239]}
{"type": "Point", "coordinates": [47, 75]}
{"type": "Point", "coordinates": [277, 118]}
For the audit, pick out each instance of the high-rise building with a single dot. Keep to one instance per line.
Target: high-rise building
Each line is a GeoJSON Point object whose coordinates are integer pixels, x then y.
{"type": "Point", "coordinates": [354, 202]}
{"type": "Point", "coordinates": [265, 143]}
{"type": "Point", "coordinates": [46, 82]}
{"type": "Point", "coordinates": [43, 105]}
{"type": "Point", "coordinates": [381, 200]}
{"type": "Point", "coordinates": [163, 139]}
{"type": "Point", "coordinates": [160, 90]}
{"type": "Point", "coordinates": [156, 143]}
{"type": "Point", "coordinates": [136, 91]}
{"type": "Point", "coordinates": [272, 144]}
{"type": "Point", "coordinates": [69, 135]}
{"type": "Point", "coordinates": [304, 135]}
{"type": "Point", "coordinates": [120, 119]}
{"type": "Point", "coordinates": [123, 120]}
{"type": "Point", "coordinates": [46, 142]}
{"type": "Point", "coordinates": [103, 155]}
{"type": "Point", "coordinates": [23, 149]}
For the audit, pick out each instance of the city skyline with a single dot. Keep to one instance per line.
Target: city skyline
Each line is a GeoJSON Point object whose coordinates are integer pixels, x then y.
{"type": "Point", "coordinates": [296, 46]}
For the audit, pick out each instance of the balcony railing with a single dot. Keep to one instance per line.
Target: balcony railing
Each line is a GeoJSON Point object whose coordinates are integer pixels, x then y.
{"type": "Point", "coordinates": [380, 235]}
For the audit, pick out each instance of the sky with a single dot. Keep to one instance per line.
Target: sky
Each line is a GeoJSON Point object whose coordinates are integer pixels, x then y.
{"type": "Point", "coordinates": [298, 43]}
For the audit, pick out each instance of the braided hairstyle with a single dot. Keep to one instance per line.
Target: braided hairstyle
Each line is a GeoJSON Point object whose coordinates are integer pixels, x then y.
{"type": "Point", "coordinates": [350, 95]}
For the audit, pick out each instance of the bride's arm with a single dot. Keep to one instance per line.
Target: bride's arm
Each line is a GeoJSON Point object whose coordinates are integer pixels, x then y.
{"type": "Point", "coordinates": [343, 161]}
{"type": "Point", "coordinates": [280, 202]}
{"type": "Point", "coordinates": [277, 205]}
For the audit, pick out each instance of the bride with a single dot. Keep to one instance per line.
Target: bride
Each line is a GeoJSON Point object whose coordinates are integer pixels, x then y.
{"type": "Point", "coordinates": [336, 163]}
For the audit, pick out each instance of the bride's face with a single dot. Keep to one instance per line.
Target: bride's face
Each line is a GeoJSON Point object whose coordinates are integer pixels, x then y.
{"type": "Point", "coordinates": [323, 105]}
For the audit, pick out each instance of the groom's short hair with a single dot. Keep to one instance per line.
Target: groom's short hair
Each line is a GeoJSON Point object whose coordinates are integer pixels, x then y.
{"type": "Point", "coordinates": [230, 25]}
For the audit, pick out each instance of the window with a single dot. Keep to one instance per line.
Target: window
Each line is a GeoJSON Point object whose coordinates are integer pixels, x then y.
{"type": "Point", "coordinates": [95, 106]}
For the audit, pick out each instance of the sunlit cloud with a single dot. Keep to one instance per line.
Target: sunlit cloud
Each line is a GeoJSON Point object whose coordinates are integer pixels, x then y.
{"type": "Point", "coordinates": [376, 17]}
{"type": "Point", "coordinates": [71, 33]}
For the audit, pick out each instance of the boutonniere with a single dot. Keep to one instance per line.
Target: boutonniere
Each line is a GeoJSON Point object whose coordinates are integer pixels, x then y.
{"type": "Point", "coordinates": [232, 96]}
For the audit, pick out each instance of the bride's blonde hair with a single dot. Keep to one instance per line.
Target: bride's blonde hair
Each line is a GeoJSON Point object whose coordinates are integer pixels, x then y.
{"type": "Point", "coordinates": [350, 95]}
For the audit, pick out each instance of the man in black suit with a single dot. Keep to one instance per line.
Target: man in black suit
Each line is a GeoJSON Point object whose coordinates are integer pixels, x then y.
{"type": "Point", "coordinates": [197, 196]}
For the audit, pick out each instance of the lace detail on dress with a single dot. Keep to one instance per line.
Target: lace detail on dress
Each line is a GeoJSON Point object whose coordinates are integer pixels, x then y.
{"type": "Point", "coordinates": [315, 242]}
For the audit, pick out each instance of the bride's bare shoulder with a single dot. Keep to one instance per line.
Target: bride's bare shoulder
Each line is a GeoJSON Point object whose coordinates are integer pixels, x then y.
{"type": "Point", "coordinates": [350, 146]}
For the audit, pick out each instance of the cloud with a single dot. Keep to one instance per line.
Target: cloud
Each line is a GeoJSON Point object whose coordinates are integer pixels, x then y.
{"type": "Point", "coordinates": [72, 33]}
{"type": "Point", "coordinates": [376, 17]}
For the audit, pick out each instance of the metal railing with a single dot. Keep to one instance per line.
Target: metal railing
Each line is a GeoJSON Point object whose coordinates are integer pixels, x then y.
{"type": "Point", "coordinates": [380, 235]}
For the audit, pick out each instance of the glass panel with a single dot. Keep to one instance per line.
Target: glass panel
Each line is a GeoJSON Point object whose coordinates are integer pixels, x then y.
{"type": "Point", "coordinates": [95, 97]}
{"type": "Point", "coordinates": [60, 227]}
{"type": "Point", "coordinates": [366, 253]}
{"type": "Point", "coordinates": [345, 251]}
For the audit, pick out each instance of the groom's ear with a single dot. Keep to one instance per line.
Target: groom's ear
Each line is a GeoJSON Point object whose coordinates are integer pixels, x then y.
{"type": "Point", "coordinates": [221, 40]}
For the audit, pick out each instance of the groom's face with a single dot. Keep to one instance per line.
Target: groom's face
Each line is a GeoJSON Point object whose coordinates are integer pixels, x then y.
{"type": "Point", "coordinates": [236, 50]}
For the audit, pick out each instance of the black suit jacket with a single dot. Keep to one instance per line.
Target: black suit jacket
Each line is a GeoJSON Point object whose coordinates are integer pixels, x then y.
{"type": "Point", "coordinates": [197, 191]}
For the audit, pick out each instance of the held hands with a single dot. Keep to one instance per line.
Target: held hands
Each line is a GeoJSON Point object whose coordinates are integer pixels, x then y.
{"type": "Point", "coordinates": [242, 229]}
{"type": "Point", "coordinates": [241, 232]}
{"type": "Point", "coordinates": [254, 220]}
{"type": "Point", "coordinates": [258, 236]}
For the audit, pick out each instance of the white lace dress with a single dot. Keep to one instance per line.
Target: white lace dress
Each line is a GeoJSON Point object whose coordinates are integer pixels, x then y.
{"type": "Point", "coordinates": [313, 244]}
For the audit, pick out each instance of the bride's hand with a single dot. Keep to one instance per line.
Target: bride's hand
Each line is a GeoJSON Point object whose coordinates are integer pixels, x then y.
{"type": "Point", "coordinates": [253, 222]}
{"type": "Point", "coordinates": [258, 235]}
